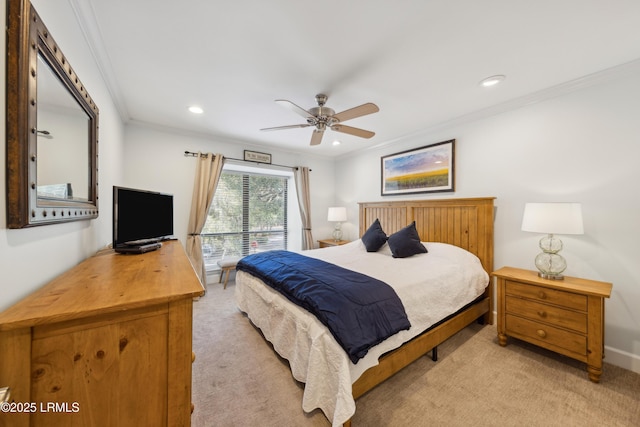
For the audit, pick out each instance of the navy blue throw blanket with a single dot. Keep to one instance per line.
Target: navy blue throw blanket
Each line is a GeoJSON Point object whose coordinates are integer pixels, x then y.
{"type": "Point", "coordinates": [360, 311]}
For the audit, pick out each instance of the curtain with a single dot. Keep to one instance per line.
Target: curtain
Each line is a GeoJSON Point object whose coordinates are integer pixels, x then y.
{"type": "Point", "coordinates": [301, 177]}
{"type": "Point", "coordinates": [208, 170]}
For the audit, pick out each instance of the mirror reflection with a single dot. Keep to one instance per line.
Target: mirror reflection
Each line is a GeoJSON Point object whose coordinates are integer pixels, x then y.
{"type": "Point", "coordinates": [62, 139]}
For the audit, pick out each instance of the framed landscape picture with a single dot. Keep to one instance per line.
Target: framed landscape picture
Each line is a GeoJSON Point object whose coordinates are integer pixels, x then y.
{"type": "Point", "coordinates": [428, 169]}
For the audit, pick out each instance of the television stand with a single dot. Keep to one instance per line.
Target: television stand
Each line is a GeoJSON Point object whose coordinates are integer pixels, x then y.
{"type": "Point", "coordinates": [138, 249]}
{"type": "Point", "coordinates": [113, 335]}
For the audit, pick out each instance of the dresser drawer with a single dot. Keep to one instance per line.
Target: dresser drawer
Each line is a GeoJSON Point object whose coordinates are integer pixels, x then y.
{"type": "Point", "coordinates": [553, 315]}
{"type": "Point", "coordinates": [542, 333]}
{"type": "Point", "coordinates": [550, 296]}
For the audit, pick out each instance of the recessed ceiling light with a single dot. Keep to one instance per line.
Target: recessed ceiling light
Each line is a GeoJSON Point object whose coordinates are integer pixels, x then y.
{"type": "Point", "coordinates": [196, 110]}
{"type": "Point", "coordinates": [492, 81]}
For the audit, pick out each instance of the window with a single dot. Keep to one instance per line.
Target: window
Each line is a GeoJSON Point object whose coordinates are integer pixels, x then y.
{"type": "Point", "coordinates": [248, 214]}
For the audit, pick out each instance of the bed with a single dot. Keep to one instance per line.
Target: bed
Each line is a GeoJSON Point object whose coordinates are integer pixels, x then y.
{"type": "Point", "coordinates": [452, 229]}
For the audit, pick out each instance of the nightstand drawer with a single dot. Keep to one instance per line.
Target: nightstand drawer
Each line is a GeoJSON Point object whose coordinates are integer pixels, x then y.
{"type": "Point", "coordinates": [541, 333]}
{"type": "Point", "coordinates": [547, 295]}
{"type": "Point", "coordinates": [556, 316]}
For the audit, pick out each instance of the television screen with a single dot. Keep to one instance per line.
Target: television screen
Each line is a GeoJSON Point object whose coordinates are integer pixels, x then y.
{"type": "Point", "coordinates": [141, 217]}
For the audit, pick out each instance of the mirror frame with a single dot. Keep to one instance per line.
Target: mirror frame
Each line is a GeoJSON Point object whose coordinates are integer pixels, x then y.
{"type": "Point", "coordinates": [27, 36]}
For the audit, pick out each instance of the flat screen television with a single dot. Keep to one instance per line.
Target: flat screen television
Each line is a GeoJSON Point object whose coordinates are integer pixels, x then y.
{"type": "Point", "coordinates": [141, 219]}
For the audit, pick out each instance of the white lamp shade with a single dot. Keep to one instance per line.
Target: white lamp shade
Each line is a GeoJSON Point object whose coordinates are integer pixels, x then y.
{"type": "Point", "coordinates": [337, 214]}
{"type": "Point", "coordinates": [553, 218]}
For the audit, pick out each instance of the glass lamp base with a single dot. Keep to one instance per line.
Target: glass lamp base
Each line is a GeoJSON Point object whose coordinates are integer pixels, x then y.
{"type": "Point", "coordinates": [551, 265]}
{"type": "Point", "coordinates": [337, 232]}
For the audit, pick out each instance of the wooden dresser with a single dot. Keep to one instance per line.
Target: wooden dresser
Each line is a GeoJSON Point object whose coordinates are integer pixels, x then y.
{"type": "Point", "coordinates": [108, 343]}
{"type": "Point", "coordinates": [565, 316]}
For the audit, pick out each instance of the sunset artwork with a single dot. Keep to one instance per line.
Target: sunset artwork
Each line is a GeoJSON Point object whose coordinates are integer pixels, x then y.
{"type": "Point", "coordinates": [422, 170]}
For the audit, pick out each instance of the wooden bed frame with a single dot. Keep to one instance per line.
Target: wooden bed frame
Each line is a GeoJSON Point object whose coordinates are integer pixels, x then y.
{"type": "Point", "coordinates": [467, 223]}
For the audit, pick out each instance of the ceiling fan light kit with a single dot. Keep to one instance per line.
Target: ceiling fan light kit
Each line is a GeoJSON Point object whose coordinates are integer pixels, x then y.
{"type": "Point", "coordinates": [322, 117]}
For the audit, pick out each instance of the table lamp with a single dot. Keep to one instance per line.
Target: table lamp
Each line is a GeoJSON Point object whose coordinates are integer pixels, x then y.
{"type": "Point", "coordinates": [337, 215]}
{"type": "Point", "coordinates": [551, 219]}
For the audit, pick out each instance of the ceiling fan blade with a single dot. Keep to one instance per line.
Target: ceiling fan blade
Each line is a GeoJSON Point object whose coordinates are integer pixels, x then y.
{"type": "Point", "coordinates": [353, 131]}
{"type": "Point", "coordinates": [352, 113]}
{"type": "Point", "coordinates": [288, 127]}
{"type": "Point", "coordinates": [316, 137]}
{"type": "Point", "coordinates": [295, 108]}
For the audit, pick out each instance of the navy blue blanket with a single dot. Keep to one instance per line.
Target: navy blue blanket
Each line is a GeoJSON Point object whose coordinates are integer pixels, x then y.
{"type": "Point", "coordinates": [360, 311]}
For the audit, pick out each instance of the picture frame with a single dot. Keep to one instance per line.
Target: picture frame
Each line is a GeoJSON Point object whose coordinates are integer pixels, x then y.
{"type": "Point", "coordinates": [428, 169]}
{"type": "Point", "coordinates": [257, 157]}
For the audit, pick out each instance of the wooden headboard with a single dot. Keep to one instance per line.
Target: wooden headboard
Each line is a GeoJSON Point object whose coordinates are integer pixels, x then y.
{"type": "Point", "coordinates": [467, 223]}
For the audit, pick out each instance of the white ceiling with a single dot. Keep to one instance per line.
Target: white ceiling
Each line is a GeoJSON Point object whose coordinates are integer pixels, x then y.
{"type": "Point", "coordinates": [420, 61]}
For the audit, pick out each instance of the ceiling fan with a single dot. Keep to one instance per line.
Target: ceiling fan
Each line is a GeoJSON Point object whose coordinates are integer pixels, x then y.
{"type": "Point", "coordinates": [324, 117]}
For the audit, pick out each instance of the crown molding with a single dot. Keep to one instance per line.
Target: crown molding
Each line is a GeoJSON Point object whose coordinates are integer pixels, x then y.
{"type": "Point", "coordinates": [627, 69]}
{"type": "Point", "coordinates": [86, 18]}
{"type": "Point", "coordinates": [210, 136]}
{"type": "Point", "coordinates": [85, 15]}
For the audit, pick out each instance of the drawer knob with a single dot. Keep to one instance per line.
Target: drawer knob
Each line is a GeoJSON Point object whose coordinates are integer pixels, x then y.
{"type": "Point", "coordinates": [541, 333]}
{"type": "Point", "coordinates": [542, 314]}
{"type": "Point", "coordinates": [542, 295]}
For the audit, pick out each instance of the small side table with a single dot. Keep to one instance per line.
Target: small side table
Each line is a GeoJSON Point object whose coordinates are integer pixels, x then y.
{"type": "Point", "coordinates": [330, 242]}
{"type": "Point", "coordinates": [565, 316]}
{"type": "Point", "coordinates": [227, 265]}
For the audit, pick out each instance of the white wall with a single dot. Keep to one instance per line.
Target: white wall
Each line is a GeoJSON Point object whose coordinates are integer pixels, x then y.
{"type": "Point", "coordinates": [29, 258]}
{"type": "Point", "coordinates": [154, 160]}
{"type": "Point", "coordinates": [580, 147]}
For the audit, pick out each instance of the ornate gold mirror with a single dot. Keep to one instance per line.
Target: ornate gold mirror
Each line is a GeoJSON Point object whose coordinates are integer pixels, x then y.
{"type": "Point", "coordinates": [52, 128]}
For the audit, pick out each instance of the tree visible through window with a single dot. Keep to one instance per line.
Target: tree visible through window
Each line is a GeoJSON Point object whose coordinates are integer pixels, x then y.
{"type": "Point", "coordinates": [248, 214]}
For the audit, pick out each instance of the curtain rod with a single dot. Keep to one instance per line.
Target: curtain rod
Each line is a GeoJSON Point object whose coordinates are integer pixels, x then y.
{"type": "Point", "coordinates": [192, 154]}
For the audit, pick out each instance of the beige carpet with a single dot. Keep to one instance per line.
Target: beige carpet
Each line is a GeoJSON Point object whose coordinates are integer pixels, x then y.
{"type": "Point", "coordinates": [238, 380]}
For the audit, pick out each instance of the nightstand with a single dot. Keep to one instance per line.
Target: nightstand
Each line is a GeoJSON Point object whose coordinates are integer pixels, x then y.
{"type": "Point", "coordinates": [565, 316]}
{"type": "Point", "coordinates": [330, 242]}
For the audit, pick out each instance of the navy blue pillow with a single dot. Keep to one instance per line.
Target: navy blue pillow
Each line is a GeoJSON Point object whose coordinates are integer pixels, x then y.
{"type": "Point", "coordinates": [406, 242]}
{"type": "Point", "coordinates": [374, 237]}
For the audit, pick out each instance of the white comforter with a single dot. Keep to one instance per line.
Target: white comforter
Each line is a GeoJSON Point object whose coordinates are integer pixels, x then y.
{"type": "Point", "coordinates": [431, 287]}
